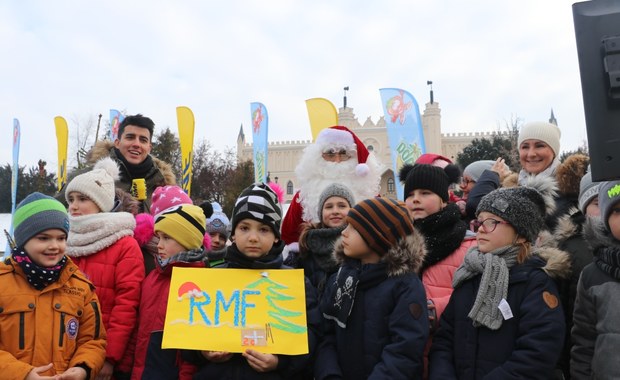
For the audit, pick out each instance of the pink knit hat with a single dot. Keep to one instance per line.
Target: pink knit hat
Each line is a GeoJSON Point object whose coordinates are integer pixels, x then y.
{"type": "Point", "coordinates": [167, 196]}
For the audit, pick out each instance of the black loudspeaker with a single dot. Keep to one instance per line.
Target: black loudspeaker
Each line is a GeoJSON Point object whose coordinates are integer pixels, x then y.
{"type": "Point", "coordinates": [597, 31]}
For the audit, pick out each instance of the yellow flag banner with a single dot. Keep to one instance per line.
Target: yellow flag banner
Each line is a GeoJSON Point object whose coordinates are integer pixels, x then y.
{"type": "Point", "coordinates": [185, 118]}
{"type": "Point", "coordinates": [322, 114]}
{"type": "Point", "coordinates": [62, 138]}
{"type": "Point", "coordinates": [235, 309]}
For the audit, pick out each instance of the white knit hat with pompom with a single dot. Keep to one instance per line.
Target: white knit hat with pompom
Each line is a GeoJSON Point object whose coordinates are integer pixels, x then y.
{"type": "Point", "coordinates": [97, 184]}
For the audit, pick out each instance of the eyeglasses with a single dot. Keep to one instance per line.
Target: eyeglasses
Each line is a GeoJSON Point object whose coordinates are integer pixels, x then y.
{"type": "Point", "coordinates": [466, 181]}
{"type": "Point", "coordinates": [489, 224]}
{"type": "Point", "coordinates": [331, 154]}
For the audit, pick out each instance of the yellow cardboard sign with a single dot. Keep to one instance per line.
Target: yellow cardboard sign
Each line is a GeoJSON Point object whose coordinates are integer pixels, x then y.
{"type": "Point", "coordinates": [235, 309]}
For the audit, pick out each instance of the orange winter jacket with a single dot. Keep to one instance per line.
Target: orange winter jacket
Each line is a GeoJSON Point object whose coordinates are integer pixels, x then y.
{"type": "Point", "coordinates": [60, 324]}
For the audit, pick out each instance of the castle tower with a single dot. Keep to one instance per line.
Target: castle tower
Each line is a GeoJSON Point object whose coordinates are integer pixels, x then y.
{"type": "Point", "coordinates": [431, 125]}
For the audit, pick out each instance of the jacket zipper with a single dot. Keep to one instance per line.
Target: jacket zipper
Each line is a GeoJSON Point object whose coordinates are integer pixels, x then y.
{"type": "Point", "coordinates": [97, 318]}
{"type": "Point", "coordinates": [62, 329]}
{"type": "Point", "coordinates": [21, 331]}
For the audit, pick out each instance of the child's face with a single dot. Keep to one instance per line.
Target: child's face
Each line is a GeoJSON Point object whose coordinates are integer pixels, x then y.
{"type": "Point", "coordinates": [355, 246]}
{"type": "Point", "coordinates": [80, 204]}
{"type": "Point", "coordinates": [47, 248]}
{"type": "Point", "coordinates": [218, 241]}
{"type": "Point", "coordinates": [421, 203]}
{"type": "Point", "coordinates": [614, 221]}
{"type": "Point", "coordinates": [334, 212]}
{"type": "Point", "coordinates": [592, 208]}
{"type": "Point", "coordinates": [253, 238]}
{"type": "Point", "coordinates": [167, 246]}
{"type": "Point", "coordinates": [494, 233]}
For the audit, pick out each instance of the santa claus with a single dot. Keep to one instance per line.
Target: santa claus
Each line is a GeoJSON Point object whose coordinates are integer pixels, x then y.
{"type": "Point", "coordinates": [337, 156]}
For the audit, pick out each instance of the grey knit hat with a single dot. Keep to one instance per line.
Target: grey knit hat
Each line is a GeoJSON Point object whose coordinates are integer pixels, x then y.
{"type": "Point", "coordinates": [475, 169]}
{"type": "Point", "coordinates": [608, 196]}
{"type": "Point", "coordinates": [258, 202]}
{"type": "Point", "coordinates": [587, 191]}
{"type": "Point", "coordinates": [335, 190]}
{"type": "Point", "coordinates": [523, 207]}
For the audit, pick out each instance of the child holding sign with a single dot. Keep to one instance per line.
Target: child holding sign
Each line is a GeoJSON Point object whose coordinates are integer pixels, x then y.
{"type": "Point", "coordinates": [375, 305]}
{"type": "Point", "coordinates": [181, 231]}
{"type": "Point", "coordinates": [257, 245]}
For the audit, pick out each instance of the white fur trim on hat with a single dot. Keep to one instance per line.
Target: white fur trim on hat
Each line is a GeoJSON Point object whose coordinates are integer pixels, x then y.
{"type": "Point", "coordinates": [539, 130]}
{"type": "Point", "coordinates": [331, 136]}
{"type": "Point", "coordinates": [97, 184]}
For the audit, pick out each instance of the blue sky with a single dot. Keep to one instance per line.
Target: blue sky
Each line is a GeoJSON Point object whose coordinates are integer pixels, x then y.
{"type": "Point", "coordinates": [489, 62]}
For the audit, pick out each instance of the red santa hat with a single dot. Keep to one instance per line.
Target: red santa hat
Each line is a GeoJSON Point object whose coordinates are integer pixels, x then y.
{"type": "Point", "coordinates": [339, 135]}
{"type": "Point", "coordinates": [430, 158]}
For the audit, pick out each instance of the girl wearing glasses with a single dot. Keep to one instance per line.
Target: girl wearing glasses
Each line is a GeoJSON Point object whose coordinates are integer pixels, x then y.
{"type": "Point", "coordinates": [504, 319]}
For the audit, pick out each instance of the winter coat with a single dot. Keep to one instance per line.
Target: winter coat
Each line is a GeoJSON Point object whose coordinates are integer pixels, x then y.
{"type": "Point", "coordinates": [568, 177]}
{"type": "Point", "coordinates": [315, 256]}
{"type": "Point", "coordinates": [568, 236]}
{"type": "Point", "coordinates": [526, 346]}
{"type": "Point", "coordinates": [60, 324]}
{"type": "Point", "coordinates": [151, 361]}
{"type": "Point", "coordinates": [387, 327]}
{"type": "Point", "coordinates": [103, 247]}
{"type": "Point", "coordinates": [596, 331]}
{"type": "Point", "coordinates": [289, 366]}
{"type": "Point", "coordinates": [437, 279]}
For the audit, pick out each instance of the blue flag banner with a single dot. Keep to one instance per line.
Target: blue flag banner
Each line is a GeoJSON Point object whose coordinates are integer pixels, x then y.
{"type": "Point", "coordinates": [260, 121]}
{"type": "Point", "coordinates": [404, 130]}
{"type": "Point", "coordinates": [14, 178]}
{"type": "Point", "coordinates": [116, 118]}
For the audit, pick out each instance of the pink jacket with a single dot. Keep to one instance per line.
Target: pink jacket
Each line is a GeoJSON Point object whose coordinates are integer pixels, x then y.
{"type": "Point", "coordinates": [437, 279]}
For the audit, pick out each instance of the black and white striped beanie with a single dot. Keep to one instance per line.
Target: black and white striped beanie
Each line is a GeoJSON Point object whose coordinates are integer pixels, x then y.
{"type": "Point", "coordinates": [260, 203]}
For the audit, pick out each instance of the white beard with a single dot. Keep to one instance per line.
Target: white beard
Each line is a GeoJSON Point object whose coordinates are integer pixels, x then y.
{"type": "Point", "coordinates": [314, 175]}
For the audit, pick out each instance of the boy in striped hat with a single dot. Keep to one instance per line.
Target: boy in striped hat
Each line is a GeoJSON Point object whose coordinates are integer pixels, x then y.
{"type": "Point", "coordinates": [375, 305]}
{"type": "Point", "coordinates": [45, 286]}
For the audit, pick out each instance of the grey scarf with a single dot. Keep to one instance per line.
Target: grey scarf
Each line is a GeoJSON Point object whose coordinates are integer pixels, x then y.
{"type": "Point", "coordinates": [494, 267]}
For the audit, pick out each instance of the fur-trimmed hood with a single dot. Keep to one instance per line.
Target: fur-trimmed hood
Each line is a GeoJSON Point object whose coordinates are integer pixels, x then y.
{"type": "Point", "coordinates": [569, 173]}
{"type": "Point", "coordinates": [102, 149]}
{"type": "Point", "coordinates": [568, 226]}
{"type": "Point", "coordinates": [597, 235]}
{"type": "Point", "coordinates": [558, 262]}
{"type": "Point", "coordinates": [404, 257]}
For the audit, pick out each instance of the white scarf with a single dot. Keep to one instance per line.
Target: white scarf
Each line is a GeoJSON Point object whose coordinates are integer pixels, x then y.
{"type": "Point", "coordinates": [89, 234]}
{"type": "Point", "coordinates": [549, 172]}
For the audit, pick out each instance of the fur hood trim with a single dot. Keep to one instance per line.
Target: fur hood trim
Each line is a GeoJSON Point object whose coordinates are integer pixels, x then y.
{"type": "Point", "coordinates": [558, 264]}
{"type": "Point", "coordinates": [597, 235]}
{"type": "Point", "coordinates": [102, 149]}
{"type": "Point", "coordinates": [564, 230]}
{"type": "Point", "coordinates": [404, 257]}
{"type": "Point", "coordinates": [568, 174]}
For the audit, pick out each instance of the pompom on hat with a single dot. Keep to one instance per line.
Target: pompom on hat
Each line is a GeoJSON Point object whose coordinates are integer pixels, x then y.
{"type": "Point", "coordinates": [344, 137]}
{"type": "Point", "coordinates": [184, 223]}
{"type": "Point", "coordinates": [38, 213]}
{"type": "Point", "coordinates": [429, 177]}
{"type": "Point", "coordinates": [97, 184]}
{"type": "Point", "coordinates": [539, 130]}
{"type": "Point", "coordinates": [524, 207]}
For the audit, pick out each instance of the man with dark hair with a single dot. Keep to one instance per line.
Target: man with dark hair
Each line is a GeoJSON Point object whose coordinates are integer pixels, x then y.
{"type": "Point", "coordinates": [140, 173]}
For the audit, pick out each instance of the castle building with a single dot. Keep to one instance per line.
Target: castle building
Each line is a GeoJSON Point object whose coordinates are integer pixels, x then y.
{"type": "Point", "coordinates": [284, 155]}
